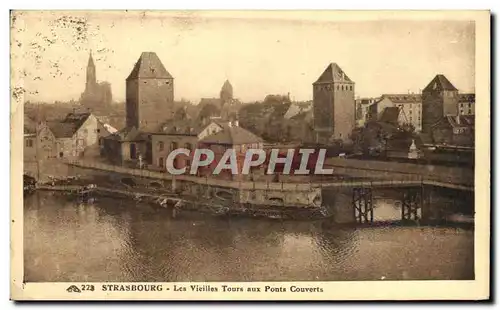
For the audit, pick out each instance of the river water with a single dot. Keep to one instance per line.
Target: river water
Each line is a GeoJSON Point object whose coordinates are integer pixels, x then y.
{"type": "Point", "coordinates": [118, 240]}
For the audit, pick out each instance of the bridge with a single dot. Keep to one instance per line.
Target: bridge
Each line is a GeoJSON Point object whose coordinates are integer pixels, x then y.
{"type": "Point", "coordinates": [417, 176]}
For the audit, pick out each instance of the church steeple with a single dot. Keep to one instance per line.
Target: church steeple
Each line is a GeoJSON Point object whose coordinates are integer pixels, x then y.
{"type": "Point", "coordinates": [91, 75]}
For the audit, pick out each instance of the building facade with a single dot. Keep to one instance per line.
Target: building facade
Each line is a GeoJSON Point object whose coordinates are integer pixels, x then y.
{"type": "Point", "coordinates": [79, 134]}
{"type": "Point", "coordinates": [333, 105]}
{"type": "Point", "coordinates": [180, 133]}
{"type": "Point", "coordinates": [409, 105]}
{"type": "Point", "coordinates": [231, 137]}
{"type": "Point", "coordinates": [363, 110]}
{"type": "Point", "coordinates": [149, 94]}
{"type": "Point", "coordinates": [466, 104]}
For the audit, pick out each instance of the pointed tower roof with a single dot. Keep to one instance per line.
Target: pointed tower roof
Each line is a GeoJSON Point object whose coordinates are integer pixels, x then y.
{"type": "Point", "coordinates": [91, 60]}
{"type": "Point", "coordinates": [227, 86]}
{"type": "Point", "coordinates": [149, 66]}
{"type": "Point", "coordinates": [439, 83]}
{"type": "Point", "coordinates": [333, 73]}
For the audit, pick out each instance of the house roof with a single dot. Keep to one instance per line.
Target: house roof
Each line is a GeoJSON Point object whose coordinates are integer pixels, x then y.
{"type": "Point", "coordinates": [149, 66]}
{"type": "Point", "coordinates": [467, 98]}
{"type": "Point", "coordinates": [439, 83]}
{"type": "Point", "coordinates": [456, 121]}
{"type": "Point", "coordinates": [67, 127]}
{"type": "Point", "coordinates": [403, 98]}
{"type": "Point", "coordinates": [232, 135]}
{"type": "Point", "coordinates": [333, 73]}
{"type": "Point", "coordinates": [128, 134]}
{"type": "Point", "coordinates": [297, 108]}
{"type": "Point", "coordinates": [390, 115]}
{"type": "Point", "coordinates": [187, 127]}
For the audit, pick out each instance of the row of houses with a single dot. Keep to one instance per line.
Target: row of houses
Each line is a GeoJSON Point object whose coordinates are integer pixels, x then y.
{"type": "Point", "coordinates": [133, 148]}
{"type": "Point", "coordinates": [76, 135]}
{"type": "Point", "coordinates": [440, 114]}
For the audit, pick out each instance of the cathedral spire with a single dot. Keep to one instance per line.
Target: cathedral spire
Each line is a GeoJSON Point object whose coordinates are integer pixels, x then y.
{"type": "Point", "coordinates": [91, 74]}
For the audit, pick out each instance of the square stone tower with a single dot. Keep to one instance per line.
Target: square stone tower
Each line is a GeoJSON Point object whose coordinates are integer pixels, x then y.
{"type": "Point", "coordinates": [150, 94]}
{"type": "Point", "coordinates": [333, 105]}
{"type": "Point", "coordinates": [439, 99]}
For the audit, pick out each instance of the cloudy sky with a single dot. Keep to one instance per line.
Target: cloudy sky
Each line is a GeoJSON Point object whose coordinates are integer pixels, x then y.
{"type": "Point", "coordinates": [260, 53]}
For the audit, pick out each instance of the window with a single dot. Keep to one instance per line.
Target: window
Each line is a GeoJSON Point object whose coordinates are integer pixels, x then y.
{"type": "Point", "coordinates": [160, 162]}
{"type": "Point", "coordinates": [338, 87]}
{"type": "Point", "coordinates": [173, 146]}
{"type": "Point", "coordinates": [161, 146]}
{"type": "Point", "coordinates": [461, 111]}
{"type": "Point", "coordinates": [350, 88]}
{"type": "Point", "coordinates": [133, 151]}
{"type": "Point", "coordinates": [85, 131]}
{"type": "Point", "coordinates": [101, 141]}
{"type": "Point", "coordinates": [98, 130]}
{"type": "Point", "coordinates": [470, 111]}
{"type": "Point", "coordinates": [29, 143]}
{"type": "Point", "coordinates": [80, 142]}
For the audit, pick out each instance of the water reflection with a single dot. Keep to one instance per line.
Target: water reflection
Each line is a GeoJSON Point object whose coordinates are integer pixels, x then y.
{"type": "Point", "coordinates": [114, 240]}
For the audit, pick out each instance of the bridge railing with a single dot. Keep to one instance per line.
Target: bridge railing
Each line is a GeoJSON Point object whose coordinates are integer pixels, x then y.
{"type": "Point", "coordinates": [402, 180]}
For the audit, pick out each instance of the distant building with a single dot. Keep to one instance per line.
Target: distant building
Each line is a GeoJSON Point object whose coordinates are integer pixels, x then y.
{"type": "Point", "coordinates": [149, 94]}
{"type": "Point", "coordinates": [466, 104]}
{"type": "Point", "coordinates": [363, 110]}
{"type": "Point", "coordinates": [409, 105]}
{"type": "Point", "coordinates": [79, 134]}
{"type": "Point", "coordinates": [96, 95]}
{"type": "Point", "coordinates": [439, 98]}
{"type": "Point", "coordinates": [334, 106]}
{"type": "Point", "coordinates": [225, 107]}
{"type": "Point", "coordinates": [454, 130]}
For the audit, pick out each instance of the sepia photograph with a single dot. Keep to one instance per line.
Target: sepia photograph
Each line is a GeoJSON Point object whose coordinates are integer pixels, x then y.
{"type": "Point", "coordinates": [250, 154]}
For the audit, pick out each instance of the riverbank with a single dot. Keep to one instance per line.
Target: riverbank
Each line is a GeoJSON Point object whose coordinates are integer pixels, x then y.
{"type": "Point", "coordinates": [176, 203]}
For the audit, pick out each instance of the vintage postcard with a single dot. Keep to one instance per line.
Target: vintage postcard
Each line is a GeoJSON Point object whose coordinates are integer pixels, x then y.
{"type": "Point", "coordinates": [250, 155]}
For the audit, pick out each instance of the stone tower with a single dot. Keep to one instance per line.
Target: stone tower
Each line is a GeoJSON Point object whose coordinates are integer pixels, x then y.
{"type": "Point", "coordinates": [226, 92]}
{"type": "Point", "coordinates": [333, 105]}
{"type": "Point", "coordinates": [439, 98]}
{"type": "Point", "coordinates": [149, 94]}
